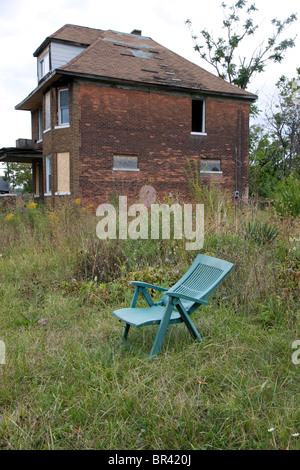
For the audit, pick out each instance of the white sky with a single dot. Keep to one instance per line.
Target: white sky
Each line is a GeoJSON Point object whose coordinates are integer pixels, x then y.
{"type": "Point", "coordinates": [24, 24]}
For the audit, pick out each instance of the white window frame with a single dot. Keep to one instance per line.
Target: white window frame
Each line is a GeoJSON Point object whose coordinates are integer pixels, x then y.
{"type": "Point", "coordinates": [60, 123]}
{"type": "Point", "coordinates": [202, 132]}
{"type": "Point", "coordinates": [116, 168]}
{"type": "Point", "coordinates": [211, 172]}
{"type": "Point", "coordinates": [47, 109]}
{"type": "Point", "coordinates": [40, 124]}
{"type": "Point", "coordinates": [48, 175]}
{"type": "Point", "coordinates": [44, 64]}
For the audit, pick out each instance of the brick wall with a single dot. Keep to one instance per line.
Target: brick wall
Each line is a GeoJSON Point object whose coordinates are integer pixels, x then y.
{"type": "Point", "coordinates": [157, 129]}
{"type": "Point", "coordinates": [60, 139]}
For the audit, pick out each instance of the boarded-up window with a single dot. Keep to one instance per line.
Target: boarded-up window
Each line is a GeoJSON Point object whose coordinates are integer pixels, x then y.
{"type": "Point", "coordinates": [63, 173]}
{"type": "Point", "coordinates": [125, 163]}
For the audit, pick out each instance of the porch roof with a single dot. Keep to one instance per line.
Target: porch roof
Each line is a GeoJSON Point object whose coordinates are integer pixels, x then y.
{"type": "Point", "coordinates": [17, 155]}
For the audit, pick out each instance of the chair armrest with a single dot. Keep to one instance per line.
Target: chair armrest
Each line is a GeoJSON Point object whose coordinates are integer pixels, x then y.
{"type": "Point", "coordinates": [149, 286]}
{"type": "Point", "coordinates": [186, 297]}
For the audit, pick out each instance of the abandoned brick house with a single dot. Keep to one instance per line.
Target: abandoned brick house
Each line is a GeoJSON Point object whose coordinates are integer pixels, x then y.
{"type": "Point", "coordinates": [115, 111]}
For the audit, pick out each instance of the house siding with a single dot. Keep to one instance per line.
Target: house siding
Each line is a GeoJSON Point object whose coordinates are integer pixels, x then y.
{"type": "Point", "coordinates": [61, 54]}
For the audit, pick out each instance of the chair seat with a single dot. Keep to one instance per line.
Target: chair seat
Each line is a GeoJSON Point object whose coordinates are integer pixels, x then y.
{"type": "Point", "coordinates": [145, 316]}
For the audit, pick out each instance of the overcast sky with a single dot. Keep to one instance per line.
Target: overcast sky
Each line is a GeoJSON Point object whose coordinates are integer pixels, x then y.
{"type": "Point", "coordinates": [24, 24]}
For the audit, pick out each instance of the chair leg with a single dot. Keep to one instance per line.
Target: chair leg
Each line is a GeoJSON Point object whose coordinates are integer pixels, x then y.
{"type": "Point", "coordinates": [192, 329]}
{"type": "Point", "coordinates": [190, 325]}
{"type": "Point", "coordinates": [125, 332]}
{"type": "Point", "coordinates": [160, 335]}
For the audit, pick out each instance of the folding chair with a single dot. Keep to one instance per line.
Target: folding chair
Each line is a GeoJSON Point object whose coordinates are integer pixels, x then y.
{"type": "Point", "coordinates": [177, 303]}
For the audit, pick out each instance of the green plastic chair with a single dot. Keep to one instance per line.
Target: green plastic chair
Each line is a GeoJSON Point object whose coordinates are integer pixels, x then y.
{"type": "Point", "coordinates": [177, 303]}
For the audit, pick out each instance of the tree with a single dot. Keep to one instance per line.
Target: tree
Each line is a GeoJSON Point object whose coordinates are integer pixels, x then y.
{"type": "Point", "coordinates": [284, 123]}
{"type": "Point", "coordinates": [275, 148]}
{"type": "Point", "coordinates": [19, 176]}
{"type": "Point", "coordinates": [222, 52]}
{"type": "Point", "coordinates": [264, 163]}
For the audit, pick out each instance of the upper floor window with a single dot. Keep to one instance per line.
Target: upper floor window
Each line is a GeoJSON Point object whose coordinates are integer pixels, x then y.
{"type": "Point", "coordinates": [63, 107]}
{"type": "Point", "coordinates": [198, 117]}
{"type": "Point", "coordinates": [40, 124]}
{"type": "Point", "coordinates": [47, 112]}
{"type": "Point", "coordinates": [43, 65]}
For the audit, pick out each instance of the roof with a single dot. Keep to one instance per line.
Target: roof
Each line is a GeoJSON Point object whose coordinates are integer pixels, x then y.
{"type": "Point", "coordinates": [15, 154]}
{"type": "Point", "coordinates": [71, 33]}
{"type": "Point", "coordinates": [135, 59]}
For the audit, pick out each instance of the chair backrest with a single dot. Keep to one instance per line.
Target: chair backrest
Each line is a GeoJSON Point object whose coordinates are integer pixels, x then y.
{"type": "Point", "coordinates": [201, 279]}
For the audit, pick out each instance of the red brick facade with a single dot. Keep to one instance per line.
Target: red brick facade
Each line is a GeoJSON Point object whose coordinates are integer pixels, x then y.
{"type": "Point", "coordinates": [153, 126]}
{"type": "Point", "coordinates": [156, 128]}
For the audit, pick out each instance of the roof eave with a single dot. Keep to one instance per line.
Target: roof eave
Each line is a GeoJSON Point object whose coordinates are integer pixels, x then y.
{"type": "Point", "coordinates": [14, 154]}
{"type": "Point", "coordinates": [42, 47]}
{"type": "Point", "coordinates": [31, 102]}
{"type": "Point", "coordinates": [117, 81]}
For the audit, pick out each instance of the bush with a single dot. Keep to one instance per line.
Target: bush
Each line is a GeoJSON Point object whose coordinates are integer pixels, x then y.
{"type": "Point", "coordinates": [261, 233]}
{"type": "Point", "coordinates": [288, 197]}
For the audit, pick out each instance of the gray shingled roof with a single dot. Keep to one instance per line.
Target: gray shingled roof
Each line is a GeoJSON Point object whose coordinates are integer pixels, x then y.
{"type": "Point", "coordinates": [120, 56]}
{"type": "Point", "coordinates": [133, 59]}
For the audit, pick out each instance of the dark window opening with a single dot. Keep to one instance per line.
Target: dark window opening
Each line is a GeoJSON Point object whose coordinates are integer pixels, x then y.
{"type": "Point", "coordinates": [198, 116]}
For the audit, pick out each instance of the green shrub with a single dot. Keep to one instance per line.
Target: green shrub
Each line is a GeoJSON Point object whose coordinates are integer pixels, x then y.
{"type": "Point", "coordinates": [260, 232]}
{"type": "Point", "coordinates": [287, 193]}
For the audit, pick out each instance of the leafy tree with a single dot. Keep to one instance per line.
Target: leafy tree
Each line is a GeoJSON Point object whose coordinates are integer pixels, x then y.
{"type": "Point", "coordinates": [264, 163]}
{"type": "Point", "coordinates": [284, 123]}
{"type": "Point", "coordinates": [275, 148]}
{"type": "Point", "coordinates": [222, 52]}
{"type": "Point", "coordinates": [19, 175]}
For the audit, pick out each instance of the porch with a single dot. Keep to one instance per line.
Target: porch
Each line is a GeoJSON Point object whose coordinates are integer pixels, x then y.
{"type": "Point", "coordinates": [26, 155]}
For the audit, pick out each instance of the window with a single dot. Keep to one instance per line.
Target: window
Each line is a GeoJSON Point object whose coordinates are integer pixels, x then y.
{"type": "Point", "coordinates": [40, 124]}
{"type": "Point", "coordinates": [198, 117]}
{"type": "Point", "coordinates": [48, 174]}
{"type": "Point", "coordinates": [210, 166]}
{"type": "Point", "coordinates": [43, 65]}
{"type": "Point", "coordinates": [63, 107]}
{"type": "Point", "coordinates": [63, 173]}
{"type": "Point", "coordinates": [37, 180]}
{"type": "Point", "coordinates": [125, 163]}
{"type": "Point", "coordinates": [47, 112]}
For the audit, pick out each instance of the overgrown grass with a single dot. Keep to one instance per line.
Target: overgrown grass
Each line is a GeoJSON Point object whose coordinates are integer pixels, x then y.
{"type": "Point", "coordinates": [69, 384]}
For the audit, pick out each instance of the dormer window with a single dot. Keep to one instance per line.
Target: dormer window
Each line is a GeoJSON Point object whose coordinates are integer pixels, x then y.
{"type": "Point", "coordinates": [43, 64]}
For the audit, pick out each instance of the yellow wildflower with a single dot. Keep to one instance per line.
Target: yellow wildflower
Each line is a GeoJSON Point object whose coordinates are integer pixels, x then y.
{"type": "Point", "coordinates": [32, 205]}
{"type": "Point", "coordinates": [89, 208]}
{"type": "Point", "coordinates": [52, 216]}
{"type": "Point", "coordinates": [9, 217]}
{"type": "Point", "coordinates": [77, 201]}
